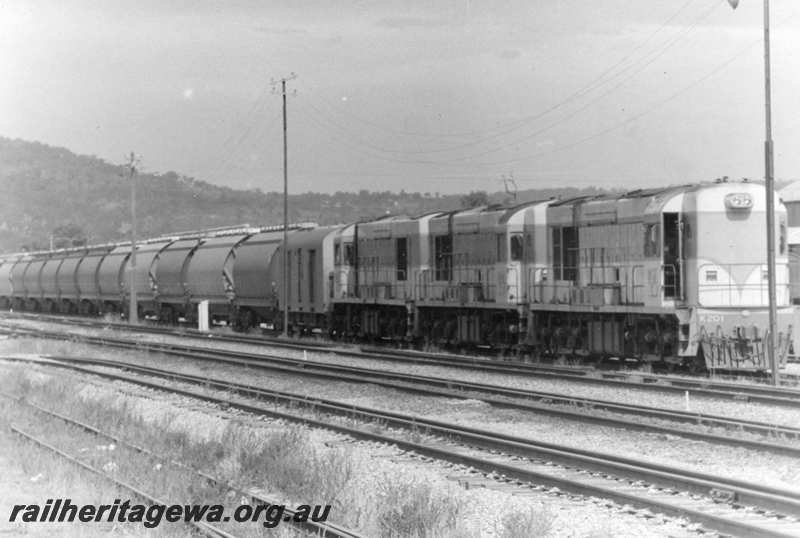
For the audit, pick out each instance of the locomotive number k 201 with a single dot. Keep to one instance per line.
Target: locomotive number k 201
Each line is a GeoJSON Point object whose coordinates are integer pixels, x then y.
{"type": "Point", "coordinates": [710, 318]}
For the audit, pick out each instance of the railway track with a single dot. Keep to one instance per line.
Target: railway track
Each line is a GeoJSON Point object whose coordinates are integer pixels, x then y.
{"type": "Point", "coordinates": [723, 504]}
{"type": "Point", "coordinates": [571, 408]}
{"type": "Point", "coordinates": [201, 527]}
{"type": "Point", "coordinates": [753, 391]}
{"type": "Point", "coordinates": [320, 529]}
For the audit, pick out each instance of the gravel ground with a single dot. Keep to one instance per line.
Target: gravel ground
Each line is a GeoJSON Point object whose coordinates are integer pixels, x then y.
{"type": "Point", "coordinates": [483, 510]}
{"type": "Point", "coordinates": [45, 347]}
{"type": "Point", "coordinates": [729, 461]}
{"type": "Point", "coordinates": [576, 388]}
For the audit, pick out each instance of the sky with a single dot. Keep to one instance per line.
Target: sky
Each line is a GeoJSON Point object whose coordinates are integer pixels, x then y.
{"type": "Point", "coordinates": [423, 95]}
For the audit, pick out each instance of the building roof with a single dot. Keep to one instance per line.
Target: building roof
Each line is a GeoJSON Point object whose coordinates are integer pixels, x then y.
{"type": "Point", "coordinates": [791, 192]}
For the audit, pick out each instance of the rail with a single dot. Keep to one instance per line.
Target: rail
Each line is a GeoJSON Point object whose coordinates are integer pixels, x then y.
{"type": "Point", "coordinates": [204, 528]}
{"type": "Point", "coordinates": [644, 485]}
{"type": "Point", "coordinates": [322, 529]}
{"type": "Point", "coordinates": [547, 403]}
{"type": "Point", "coordinates": [719, 389]}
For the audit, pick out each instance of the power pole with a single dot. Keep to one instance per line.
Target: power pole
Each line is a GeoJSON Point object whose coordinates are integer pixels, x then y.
{"type": "Point", "coordinates": [769, 181]}
{"type": "Point", "coordinates": [285, 249]}
{"type": "Point", "coordinates": [133, 312]}
{"type": "Point", "coordinates": [769, 185]}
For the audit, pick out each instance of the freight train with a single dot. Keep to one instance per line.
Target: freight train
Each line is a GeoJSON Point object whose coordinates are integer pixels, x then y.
{"type": "Point", "coordinates": [674, 275]}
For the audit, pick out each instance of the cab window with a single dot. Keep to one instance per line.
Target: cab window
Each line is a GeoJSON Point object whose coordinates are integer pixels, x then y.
{"type": "Point", "coordinates": [348, 254]}
{"type": "Point", "coordinates": [651, 240]}
{"type": "Point", "coordinates": [516, 247]}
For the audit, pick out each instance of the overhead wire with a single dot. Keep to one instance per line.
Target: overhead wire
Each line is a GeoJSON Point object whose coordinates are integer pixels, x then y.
{"type": "Point", "coordinates": [653, 107]}
{"type": "Point", "coordinates": [650, 58]}
{"type": "Point", "coordinates": [606, 76]}
{"type": "Point", "coordinates": [230, 151]}
{"type": "Point", "coordinates": [343, 136]}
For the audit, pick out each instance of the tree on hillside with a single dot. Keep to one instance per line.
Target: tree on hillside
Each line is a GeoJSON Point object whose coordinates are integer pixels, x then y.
{"type": "Point", "coordinates": [47, 191]}
{"type": "Point", "coordinates": [474, 199]}
{"type": "Point", "coordinates": [68, 235]}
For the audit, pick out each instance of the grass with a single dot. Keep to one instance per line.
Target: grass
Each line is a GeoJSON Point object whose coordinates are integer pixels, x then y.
{"type": "Point", "coordinates": [415, 509]}
{"type": "Point", "coordinates": [47, 475]}
{"type": "Point", "coordinates": [533, 522]}
{"type": "Point", "coordinates": [286, 462]}
{"type": "Point", "coordinates": [169, 483]}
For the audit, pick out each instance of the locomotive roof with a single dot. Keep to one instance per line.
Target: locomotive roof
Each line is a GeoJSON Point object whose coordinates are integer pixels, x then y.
{"type": "Point", "coordinates": [507, 210]}
{"type": "Point", "coordinates": [428, 214]}
{"type": "Point", "coordinates": [630, 195]}
{"type": "Point", "coordinates": [510, 211]}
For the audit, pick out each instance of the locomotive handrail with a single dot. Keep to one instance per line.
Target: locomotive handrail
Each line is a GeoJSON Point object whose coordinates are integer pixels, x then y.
{"type": "Point", "coordinates": [375, 280]}
{"type": "Point", "coordinates": [542, 290]}
{"type": "Point", "coordinates": [670, 290]}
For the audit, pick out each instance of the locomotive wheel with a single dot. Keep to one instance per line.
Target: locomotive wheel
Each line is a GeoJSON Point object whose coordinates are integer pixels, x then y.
{"type": "Point", "coordinates": [245, 320]}
{"type": "Point", "coordinates": [696, 364]}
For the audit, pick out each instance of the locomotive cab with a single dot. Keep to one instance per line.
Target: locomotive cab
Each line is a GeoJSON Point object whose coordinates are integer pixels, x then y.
{"type": "Point", "coordinates": [724, 314]}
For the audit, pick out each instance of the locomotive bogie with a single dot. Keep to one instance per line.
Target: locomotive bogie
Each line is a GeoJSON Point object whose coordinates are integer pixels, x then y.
{"type": "Point", "coordinates": [465, 329]}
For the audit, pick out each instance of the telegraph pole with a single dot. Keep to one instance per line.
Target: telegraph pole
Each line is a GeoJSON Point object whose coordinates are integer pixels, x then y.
{"type": "Point", "coordinates": [769, 182]}
{"type": "Point", "coordinates": [284, 249]}
{"type": "Point", "coordinates": [133, 312]}
{"type": "Point", "coordinates": [769, 185]}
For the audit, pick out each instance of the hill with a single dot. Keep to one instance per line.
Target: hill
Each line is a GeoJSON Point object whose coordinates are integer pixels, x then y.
{"type": "Point", "coordinates": [49, 193]}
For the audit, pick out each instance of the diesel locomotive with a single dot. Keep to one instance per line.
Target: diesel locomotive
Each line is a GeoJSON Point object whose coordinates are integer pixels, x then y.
{"type": "Point", "coordinates": [675, 275]}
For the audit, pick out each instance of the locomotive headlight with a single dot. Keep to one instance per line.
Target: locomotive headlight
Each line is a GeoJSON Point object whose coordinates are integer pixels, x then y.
{"type": "Point", "coordinates": [739, 200]}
